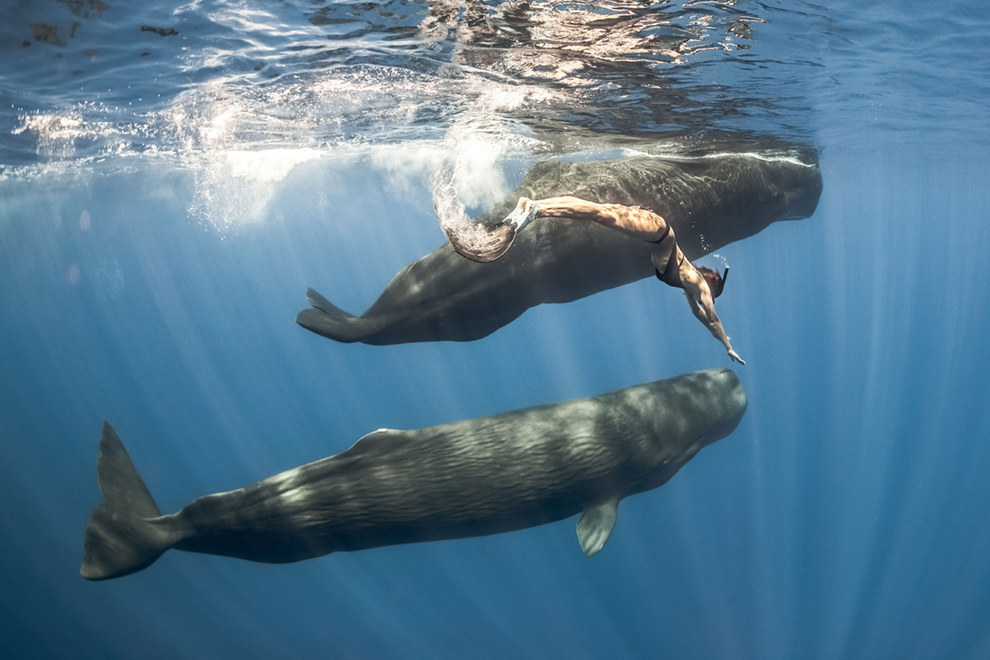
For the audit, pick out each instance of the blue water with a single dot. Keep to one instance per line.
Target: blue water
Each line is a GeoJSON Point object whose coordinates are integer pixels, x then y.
{"type": "Point", "coordinates": [166, 200]}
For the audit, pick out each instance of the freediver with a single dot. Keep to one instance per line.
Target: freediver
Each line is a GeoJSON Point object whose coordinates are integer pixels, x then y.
{"type": "Point", "coordinates": [700, 285]}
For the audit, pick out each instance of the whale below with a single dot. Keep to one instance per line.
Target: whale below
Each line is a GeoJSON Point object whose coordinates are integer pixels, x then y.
{"type": "Point", "coordinates": [710, 198]}
{"type": "Point", "coordinates": [468, 478]}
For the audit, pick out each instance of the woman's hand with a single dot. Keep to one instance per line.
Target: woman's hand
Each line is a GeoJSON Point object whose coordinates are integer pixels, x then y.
{"type": "Point", "coordinates": [735, 356]}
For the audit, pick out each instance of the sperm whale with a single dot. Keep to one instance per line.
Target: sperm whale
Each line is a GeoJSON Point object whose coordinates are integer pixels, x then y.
{"type": "Point", "coordinates": [467, 478]}
{"type": "Point", "coordinates": [709, 199]}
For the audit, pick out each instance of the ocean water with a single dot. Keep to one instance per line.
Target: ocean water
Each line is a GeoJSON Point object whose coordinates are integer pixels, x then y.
{"type": "Point", "coordinates": [173, 178]}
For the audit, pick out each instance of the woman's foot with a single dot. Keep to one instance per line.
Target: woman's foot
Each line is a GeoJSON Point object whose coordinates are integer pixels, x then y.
{"type": "Point", "coordinates": [524, 212]}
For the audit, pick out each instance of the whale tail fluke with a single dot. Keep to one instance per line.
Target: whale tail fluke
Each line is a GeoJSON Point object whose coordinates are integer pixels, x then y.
{"type": "Point", "coordinates": [326, 319]}
{"type": "Point", "coordinates": [125, 532]}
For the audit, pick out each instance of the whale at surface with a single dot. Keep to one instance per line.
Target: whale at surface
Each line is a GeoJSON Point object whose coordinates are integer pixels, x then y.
{"type": "Point", "coordinates": [710, 198]}
{"type": "Point", "coordinates": [467, 478]}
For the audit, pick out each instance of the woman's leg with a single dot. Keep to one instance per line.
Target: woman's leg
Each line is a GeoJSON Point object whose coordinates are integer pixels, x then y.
{"type": "Point", "coordinates": [636, 222]}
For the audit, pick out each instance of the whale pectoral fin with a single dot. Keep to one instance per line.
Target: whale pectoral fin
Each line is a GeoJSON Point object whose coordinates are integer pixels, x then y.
{"type": "Point", "coordinates": [595, 525]}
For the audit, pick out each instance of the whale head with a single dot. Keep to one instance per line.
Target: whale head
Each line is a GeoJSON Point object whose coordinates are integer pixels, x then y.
{"type": "Point", "coordinates": [680, 416]}
{"type": "Point", "coordinates": [699, 408]}
{"type": "Point", "coordinates": [726, 404]}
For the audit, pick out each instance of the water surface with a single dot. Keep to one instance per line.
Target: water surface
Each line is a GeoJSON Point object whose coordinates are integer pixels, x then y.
{"type": "Point", "coordinates": [173, 178]}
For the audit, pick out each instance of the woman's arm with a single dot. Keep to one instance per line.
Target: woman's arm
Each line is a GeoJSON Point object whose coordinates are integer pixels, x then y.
{"type": "Point", "coordinates": [703, 307]}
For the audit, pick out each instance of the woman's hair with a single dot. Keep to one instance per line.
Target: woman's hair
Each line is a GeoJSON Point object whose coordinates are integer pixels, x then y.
{"type": "Point", "coordinates": [715, 281]}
